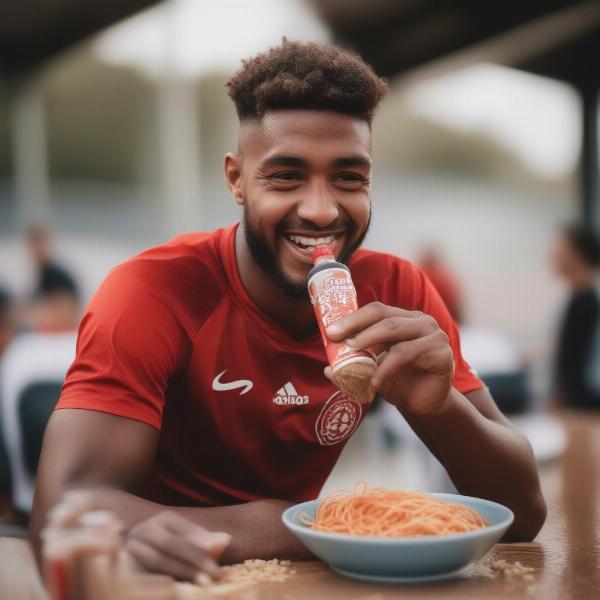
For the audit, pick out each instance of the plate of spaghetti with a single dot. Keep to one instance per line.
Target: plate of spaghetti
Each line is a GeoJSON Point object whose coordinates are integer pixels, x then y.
{"type": "Point", "coordinates": [381, 535]}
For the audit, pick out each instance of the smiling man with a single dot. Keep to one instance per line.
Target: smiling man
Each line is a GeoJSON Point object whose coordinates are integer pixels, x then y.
{"type": "Point", "coordinates": [200, 382]}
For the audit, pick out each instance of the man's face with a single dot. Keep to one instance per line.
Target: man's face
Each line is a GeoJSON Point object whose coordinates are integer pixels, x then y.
{"type": "Point", "coordinates": [38, 244]}
{"type": "Point", "coordinates": [564, 259]}
{"type": "Point", "coordinates": [304, 180]}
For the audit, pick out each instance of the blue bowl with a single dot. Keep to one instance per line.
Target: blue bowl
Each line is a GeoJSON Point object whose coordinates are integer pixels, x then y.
{"type": "Point", "coordinates": [403, 559]}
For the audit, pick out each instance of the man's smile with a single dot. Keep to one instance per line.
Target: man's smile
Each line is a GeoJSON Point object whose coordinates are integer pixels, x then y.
{"type": "Point", "coordinates": [301, 246]}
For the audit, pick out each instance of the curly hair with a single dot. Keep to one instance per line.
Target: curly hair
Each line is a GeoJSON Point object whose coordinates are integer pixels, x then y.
{"type": "Point", "coordinates": [297, 75]}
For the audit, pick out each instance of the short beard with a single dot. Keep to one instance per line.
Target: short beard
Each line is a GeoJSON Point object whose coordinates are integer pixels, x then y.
{"type": "Point", "coordinates": [266, 260]}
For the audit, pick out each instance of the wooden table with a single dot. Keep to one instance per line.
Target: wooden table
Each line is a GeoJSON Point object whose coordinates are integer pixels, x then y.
{"type": "Point", "coordinates": [565, 556]}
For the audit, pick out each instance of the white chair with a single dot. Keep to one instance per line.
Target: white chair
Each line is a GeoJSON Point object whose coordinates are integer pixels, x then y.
{"type": "Point", "coordinates": [31, 358]}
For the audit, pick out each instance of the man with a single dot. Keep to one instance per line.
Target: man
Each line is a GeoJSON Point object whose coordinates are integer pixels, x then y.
{"type": "Point", "coordinates": [7, 320]}
{"type": "Point", "coordinates": [183, 351]}
{"type": "Point", "coordinates": [444, 281]}
{"type": "Point", "coordinates": [55, 300]}
{"type": "Point", "coordinates": [7, 332]}
{"type": "Point", "coordinates": [51, 277]}
{"type": "Point", "coordinates": [576, 259]}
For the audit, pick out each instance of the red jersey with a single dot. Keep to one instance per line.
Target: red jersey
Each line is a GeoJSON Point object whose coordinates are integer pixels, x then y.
{"type": "Point", "coordinates": [244, 411]}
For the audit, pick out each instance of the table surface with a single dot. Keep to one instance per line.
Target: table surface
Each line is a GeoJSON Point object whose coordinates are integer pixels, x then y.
{"type": "Point", "coordinates": [565, 556]}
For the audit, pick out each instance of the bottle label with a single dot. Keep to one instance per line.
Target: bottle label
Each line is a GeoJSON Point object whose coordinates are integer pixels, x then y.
{"type": "Point", "coordinates": [333, 297]}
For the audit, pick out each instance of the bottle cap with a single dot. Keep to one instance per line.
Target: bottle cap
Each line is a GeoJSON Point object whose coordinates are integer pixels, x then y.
{"type": "Point", "coordinates": [322, 250]}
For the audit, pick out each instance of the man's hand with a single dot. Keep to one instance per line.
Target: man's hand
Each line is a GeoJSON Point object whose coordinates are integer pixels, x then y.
{"type": "Point", "coordinates": [171, 544]}
{"type": "Point", "coordinates": [165, 543]}
{"type": "Point", "coordinates": [416, 372]}
{"type": "Point", "coordinates": [75, 456]}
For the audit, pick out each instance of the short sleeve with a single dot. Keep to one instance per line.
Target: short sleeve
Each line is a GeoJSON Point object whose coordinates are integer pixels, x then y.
{"type": "Point", "coordinates": [424, 297]}
{"type": "Point", "coordinates": [129, 344]}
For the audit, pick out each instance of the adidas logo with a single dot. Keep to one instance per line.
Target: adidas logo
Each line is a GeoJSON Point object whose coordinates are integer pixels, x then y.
{"type": "Point", "coordinates": [287, 394]}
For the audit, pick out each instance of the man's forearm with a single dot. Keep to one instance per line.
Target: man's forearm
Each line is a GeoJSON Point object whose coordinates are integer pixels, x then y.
{"type": "Point", "coordinates": [485, 458]}
{"type": "Point", "coordinates": [255, 527]}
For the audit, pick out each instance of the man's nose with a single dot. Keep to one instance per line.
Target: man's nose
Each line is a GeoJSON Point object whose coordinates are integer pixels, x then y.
{"type": "Point", "coordinates": [318, 206]}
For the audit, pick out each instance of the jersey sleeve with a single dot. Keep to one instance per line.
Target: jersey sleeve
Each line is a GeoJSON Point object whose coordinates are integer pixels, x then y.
{"type": "Point", "coordinates": [129, 344]}
{"type": "Point", "coordinates": [424, 297]}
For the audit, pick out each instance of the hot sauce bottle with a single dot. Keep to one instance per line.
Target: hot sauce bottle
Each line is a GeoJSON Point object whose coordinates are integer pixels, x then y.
{"type": "Point", "coordinates": [333, 297]}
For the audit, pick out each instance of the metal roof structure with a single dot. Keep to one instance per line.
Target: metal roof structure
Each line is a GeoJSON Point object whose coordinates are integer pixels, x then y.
{"type": "Point", "coordinates": [32, 31]}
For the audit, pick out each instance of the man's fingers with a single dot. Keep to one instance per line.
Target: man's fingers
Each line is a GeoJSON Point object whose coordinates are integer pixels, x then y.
{"type": "Point", "coordinates": [213, 543]}
{"type": "Point", "coordinates": [400, 356]}
{"type": "Point", "coordinates": [182, 549]}
{"type": "Point", "coordinates": [196, 546]}
{"type": "Point", "coordinates": [154, 561]}
{"type": "Point", "coordinates": [176, 523]}
{"type": "Point", "coordinates": [363, 318]}
{"type": "Point", "coordinates": [391, 330]}
{"type": "Point", "coordinates": [72, 505]}
{"type": "Point", "coordinates": [216, 544]}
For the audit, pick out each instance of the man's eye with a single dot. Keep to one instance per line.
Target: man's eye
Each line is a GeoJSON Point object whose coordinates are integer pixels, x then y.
{"type": "Point", "coordinates": [286, 176]}
{"type": "Point", "coordinates": [351, 178]}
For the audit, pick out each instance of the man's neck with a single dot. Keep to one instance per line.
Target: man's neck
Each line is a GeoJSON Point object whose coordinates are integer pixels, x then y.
{"type": "Point", "coordinates": [296, 317]}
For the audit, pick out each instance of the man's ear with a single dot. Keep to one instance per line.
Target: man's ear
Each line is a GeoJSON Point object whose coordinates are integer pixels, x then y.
{"type": "Point", "coordinates": [233, 176]}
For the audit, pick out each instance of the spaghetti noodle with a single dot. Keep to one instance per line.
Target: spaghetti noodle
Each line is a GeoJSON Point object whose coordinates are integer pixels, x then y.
{"type": "Point", "coordinates": [388, 513]}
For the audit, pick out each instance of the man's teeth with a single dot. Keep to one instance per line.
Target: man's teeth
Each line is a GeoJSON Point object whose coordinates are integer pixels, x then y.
{"type": "Point", "coordinates": [309, 242]}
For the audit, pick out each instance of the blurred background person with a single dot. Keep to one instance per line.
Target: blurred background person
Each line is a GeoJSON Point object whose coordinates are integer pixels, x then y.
{"type": "Point", "coordinates": [36, 332]}
{"type": "Point", "coordinates": [7, 322]}
{"type": "Point", "coordinates": [7, 331]}
{"type": "Point", "coordinates": [491, 351]}
{"type": "Point", "coordinates": [51, 276]}
{"type": "Point", "coordinates": [575, 257]}
{"type": "Point", "coordinates": [54, 304]}
{"type": "Point", "coordinates": [444, 280]}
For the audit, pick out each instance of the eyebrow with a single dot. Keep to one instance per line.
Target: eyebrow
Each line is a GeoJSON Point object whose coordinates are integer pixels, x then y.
{"type": "Point", "coordinates": [284, 160]}
{"type": "Point", "coordinates": [356, 160]}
